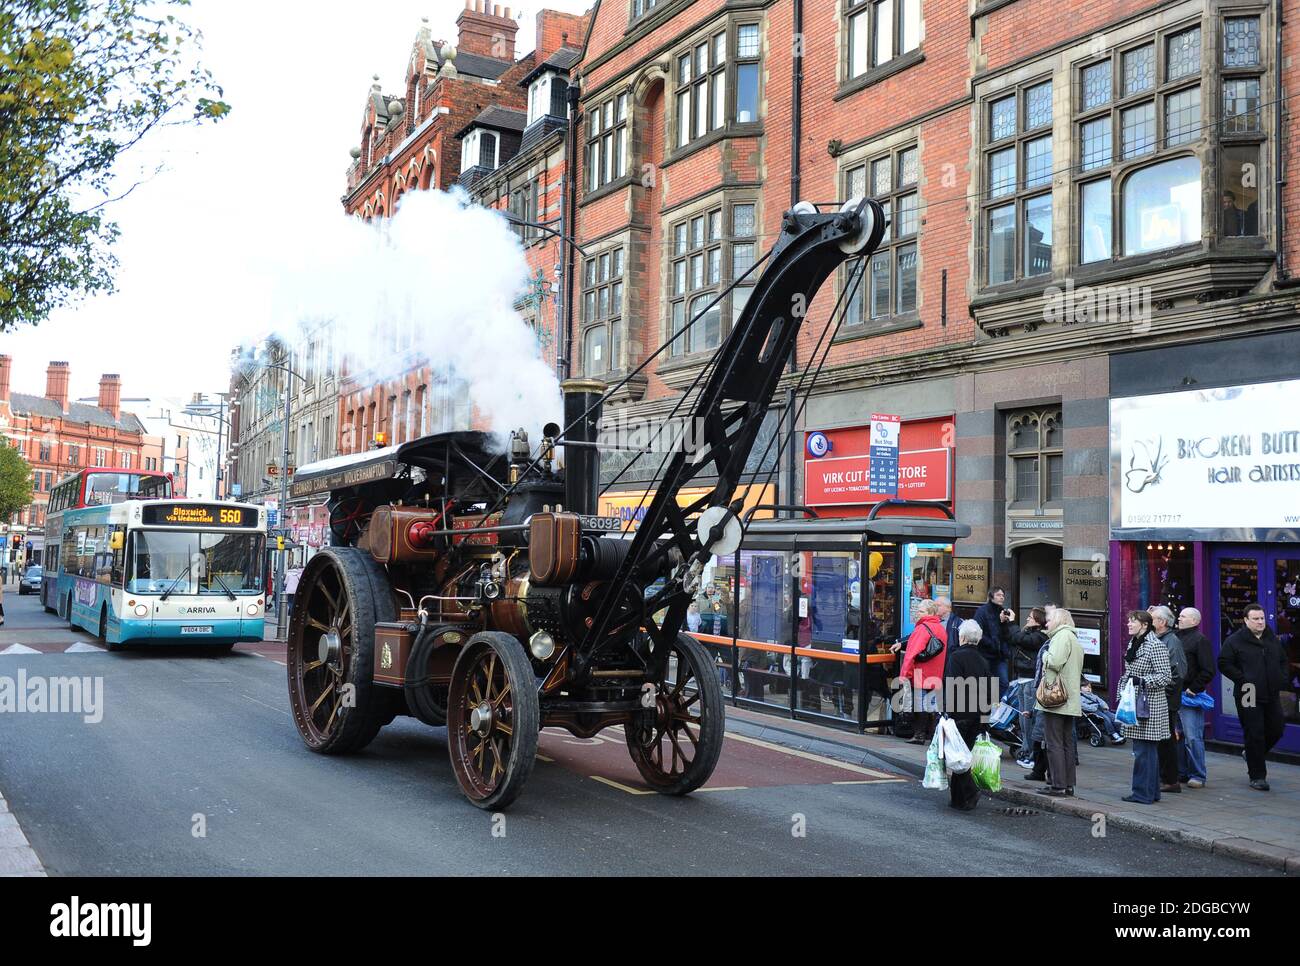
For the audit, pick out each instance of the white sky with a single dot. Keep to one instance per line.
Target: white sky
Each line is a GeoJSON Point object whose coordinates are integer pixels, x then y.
{"type": "Point", "coordinates": [201, 242]}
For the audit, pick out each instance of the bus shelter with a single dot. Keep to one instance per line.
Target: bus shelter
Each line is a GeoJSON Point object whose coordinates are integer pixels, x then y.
{"type": "Point", "coordinates": [815, 605]}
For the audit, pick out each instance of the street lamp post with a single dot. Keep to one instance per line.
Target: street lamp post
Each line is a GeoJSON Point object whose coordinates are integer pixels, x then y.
{"type": "Point", "coordinates": [280, 627]}
{"type": "Point", "coordinates": [204, 409]}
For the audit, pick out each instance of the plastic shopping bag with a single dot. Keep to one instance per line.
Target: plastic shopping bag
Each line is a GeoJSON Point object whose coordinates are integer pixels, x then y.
{"type": "Point", "coordinates": [986, 768]}
{"type": "Point", "coordinates": [1002, 716]}
{"type": "Point", "coordinates": [956, 756]}
{"type": "Point", "coordinates": [1126, 711]}
{"type": "Point", "coordinates": [935, 776]}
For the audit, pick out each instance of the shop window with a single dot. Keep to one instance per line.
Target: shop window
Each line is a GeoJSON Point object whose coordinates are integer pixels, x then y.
{"type": "Point", "coordinates": [1155, 573]}
{"type": "Point", "coordinates": [886, 283]}
{"type": "Point", "coordinates": [1035, 460]}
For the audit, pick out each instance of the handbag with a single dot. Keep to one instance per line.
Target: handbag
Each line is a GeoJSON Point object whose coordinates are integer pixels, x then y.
{"type": "Point", "coordinates": [932, 649]}
{"type": "Point", "coordinates": [1055, 695]}
{"type": "Point", "coordinates": [1142, 707]}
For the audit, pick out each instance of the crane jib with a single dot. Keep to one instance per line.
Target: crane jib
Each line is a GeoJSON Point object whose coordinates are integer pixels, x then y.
{"type": "Point", "coordinates": [730, 408]}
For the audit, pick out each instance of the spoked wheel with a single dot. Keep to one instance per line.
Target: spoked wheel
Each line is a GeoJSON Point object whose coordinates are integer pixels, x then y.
{"type": "Point", "coordinates": [330, 656]}
{"type": "Point", "coordinates": [676, 745]}
{"type": "Point", "coordinates": [348, 518]}
{"type": "Point", "coordinates": [492, 719]}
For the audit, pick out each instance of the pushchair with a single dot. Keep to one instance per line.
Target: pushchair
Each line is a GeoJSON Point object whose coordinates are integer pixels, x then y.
{"type": "Point", "coordinates": [1096, 723]}
{"type": "Point", "coordinates": [1020, 698]}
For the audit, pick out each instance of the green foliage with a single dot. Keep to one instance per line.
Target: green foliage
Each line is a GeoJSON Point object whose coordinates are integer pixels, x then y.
{"type": "Point", "coordinates": [15, 480]}
{"type": "Point", "coordinates": [81, 83]}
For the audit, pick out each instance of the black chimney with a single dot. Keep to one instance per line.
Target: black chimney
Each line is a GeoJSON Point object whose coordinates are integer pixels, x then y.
{"type": "Point", "coordinates": [582, 461]}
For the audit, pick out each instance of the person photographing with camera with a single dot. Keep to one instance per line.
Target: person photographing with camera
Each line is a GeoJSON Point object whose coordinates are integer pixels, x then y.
{"type": "Point", "coordinates": [996, 621]}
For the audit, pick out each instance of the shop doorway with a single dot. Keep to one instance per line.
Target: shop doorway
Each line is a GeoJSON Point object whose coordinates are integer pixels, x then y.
{"type": "Point", "coordinates": [1038, 567]}
{"type": "Point", "coordinates": [1244, 575]}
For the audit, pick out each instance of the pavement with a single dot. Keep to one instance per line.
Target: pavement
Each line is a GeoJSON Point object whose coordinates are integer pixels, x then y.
{"type": "Point", "coordinates": [1226, 817]}
{"type": "Point", "coordinates": [195, 768]}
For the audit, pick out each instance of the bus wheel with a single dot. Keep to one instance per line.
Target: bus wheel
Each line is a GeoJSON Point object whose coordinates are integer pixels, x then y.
{"type": "Point", "coordinates": [330, 655]}
{"type": "Point", "coordinates": [492, 719]}
{"type": "Point", "coordinates": [103, 625]}
{"type": "Point", "coordinates": [675, 746]}
{"type": "Point", "coordinates": [66, 612]}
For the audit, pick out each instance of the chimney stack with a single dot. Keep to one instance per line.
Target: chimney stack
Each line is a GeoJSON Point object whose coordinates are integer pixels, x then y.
{"type": "Point", "coordinates": [487, 29]}
{"type": "Point", "coordinates": [110, 393]}
{"type": "Point", "coordinates": [56, 384]}
{"type": "Point", "coordinates": [5, 364]}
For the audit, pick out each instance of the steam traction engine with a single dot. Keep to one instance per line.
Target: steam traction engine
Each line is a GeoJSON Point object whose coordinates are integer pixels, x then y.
{"type": "Point", "coordinates": [477, 589]}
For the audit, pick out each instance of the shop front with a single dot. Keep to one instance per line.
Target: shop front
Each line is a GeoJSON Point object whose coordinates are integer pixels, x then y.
{"type": "Point", "coordinates": [838, 484]}
{"type": "Point", "coordinates": [1205, 513]}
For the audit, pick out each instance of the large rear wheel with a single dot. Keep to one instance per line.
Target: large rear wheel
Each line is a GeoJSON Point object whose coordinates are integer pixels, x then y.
{"type": "Point", "coordinates": [336, 704]}
{"type": "Point", "coordinates": [676, 745]}
{"type": "Point", "coordinates": [492, 719]}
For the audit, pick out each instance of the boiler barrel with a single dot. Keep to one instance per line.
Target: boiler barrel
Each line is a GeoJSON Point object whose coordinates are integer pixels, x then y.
{"type": "Point", "coordinates": [582, 463]}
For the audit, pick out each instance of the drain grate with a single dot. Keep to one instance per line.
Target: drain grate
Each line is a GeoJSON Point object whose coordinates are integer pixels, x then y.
{"type": "Point", "coordinates": [1020, 811]}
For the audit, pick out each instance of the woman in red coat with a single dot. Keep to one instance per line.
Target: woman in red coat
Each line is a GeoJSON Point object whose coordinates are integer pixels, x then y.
{"type": "Point", "coordinates": [925, 677]}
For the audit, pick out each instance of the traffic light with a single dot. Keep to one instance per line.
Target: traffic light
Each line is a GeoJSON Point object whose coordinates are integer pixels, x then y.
{"type": "Point", "coordinates": [18, 541]}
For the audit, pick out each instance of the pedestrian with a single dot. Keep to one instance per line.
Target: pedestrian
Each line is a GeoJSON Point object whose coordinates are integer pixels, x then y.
{"type": "Point", "coordinates": [1032, 755]}
{"type": "Point", "coordinates": [1170, 750]}
{"type": "Point", "coordinates": [1253, 659]}
{"type": "Point", "coordinates": [1146, 664]}
{"type": "Point", "coordinates": [1026, 642]}
{"type": "Point", "coordinates": [966, 676]}
{"type": "Point", "coordinates": [995, 621]}
{"type": "Point", "coordinates": [924, 677]}
{"type": "Point", "coordinates": [291, 578]}
{"type": "Point", "coordinates": [951, 622]}
{"type": "Point", "coordinates": [1063, 664]}
{"type": "Point", "coordinates": [1200, 672]}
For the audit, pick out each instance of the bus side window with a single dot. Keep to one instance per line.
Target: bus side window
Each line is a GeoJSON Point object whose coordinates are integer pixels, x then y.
{"type": "Point", "coordinates": [119, 559]}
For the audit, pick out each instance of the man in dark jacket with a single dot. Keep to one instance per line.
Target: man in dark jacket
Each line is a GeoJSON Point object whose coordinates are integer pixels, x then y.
{"type": "Point", "coordinates": [995, 623]}
{"type": "Point", "coordinates": [1170, 750]}
{"type": "Point", "coordinates": [1253, 659]}
{"type": "Point", "coordinates": [1026, 642]}
{"type": "Point", "coordinates": [1200, 672]}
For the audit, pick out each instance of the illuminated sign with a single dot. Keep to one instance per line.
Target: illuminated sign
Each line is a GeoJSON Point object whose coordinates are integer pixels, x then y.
{"type": "Point", "coordinates": [198, 515]}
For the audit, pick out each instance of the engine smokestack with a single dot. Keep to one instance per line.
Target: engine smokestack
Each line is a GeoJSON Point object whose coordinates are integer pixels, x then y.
{"type": "Point", "coordinates": [582, 461]}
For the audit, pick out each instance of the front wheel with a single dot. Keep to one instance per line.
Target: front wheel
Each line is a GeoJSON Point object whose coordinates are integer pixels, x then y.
{"type": "Point", "coordinates": [492, 719]}
{"type": "Point", "coordinates": [676, 745]}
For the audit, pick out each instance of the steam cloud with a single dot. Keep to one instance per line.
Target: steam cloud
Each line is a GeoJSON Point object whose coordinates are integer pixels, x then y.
{"type": "Point", "coordinates": [434, 284]}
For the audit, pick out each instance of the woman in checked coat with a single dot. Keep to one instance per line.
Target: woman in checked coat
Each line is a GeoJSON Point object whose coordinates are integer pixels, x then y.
{"type": "Point", "coordinates": [1146, 664]}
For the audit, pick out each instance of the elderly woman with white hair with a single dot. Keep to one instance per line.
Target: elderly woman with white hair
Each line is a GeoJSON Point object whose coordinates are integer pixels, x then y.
{"type": "Point", "coordinates": [1171, 748]}
{"type": "Point", "coordinates": [967, 681]}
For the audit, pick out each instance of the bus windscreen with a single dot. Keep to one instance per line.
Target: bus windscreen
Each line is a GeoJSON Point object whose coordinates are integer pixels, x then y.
{"type": "Point", "coordinates": [195, 563]}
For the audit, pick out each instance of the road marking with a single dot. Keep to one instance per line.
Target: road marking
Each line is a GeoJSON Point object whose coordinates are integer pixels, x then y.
{"type": "Point", "coordinates": [871, 781]}
{"type": "Point", "coordinates": [857, 769]}
{"type": "Point", "coordinates": [81, 647]}
{"type": "Point", "coordinates": [725, 788]}
{"type": "Point", "coordinates": [19, 649]}
{"type": "Point", "coordinates": [621, 787]}
{"type": "Point", "coordinates": [541, 757]}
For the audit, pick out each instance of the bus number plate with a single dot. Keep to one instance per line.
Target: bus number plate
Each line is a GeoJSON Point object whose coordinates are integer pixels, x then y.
{"type": "Point", "coordinates": [196, 629]}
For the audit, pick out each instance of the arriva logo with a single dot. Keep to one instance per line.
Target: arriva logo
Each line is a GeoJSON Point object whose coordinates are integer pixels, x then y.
{"type": "Point", "coordinates": [198, 610]}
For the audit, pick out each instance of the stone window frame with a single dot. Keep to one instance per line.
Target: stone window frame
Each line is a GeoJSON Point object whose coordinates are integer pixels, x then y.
{"type": "Point", "coordinates": [717, 77]}
{"type": "Point", "coordinates": [643, 8]}
{"type": "Point", "coordinates": [857, 318]}
{"type": "Point", "coordinates": [604, 294]}
{"type": "Point", "coordinates": [1024, 134]}
{"type": "Point", "coordinates": [1245, 139]}
{"type": "Point", "coordinates": [720, 208]}
{"type": "Point", "coordinates": [605, 152]}
{"type": "Point", "coordinates": [853, 11]}
{"type": "Point", "coordinates": [1042, 451]}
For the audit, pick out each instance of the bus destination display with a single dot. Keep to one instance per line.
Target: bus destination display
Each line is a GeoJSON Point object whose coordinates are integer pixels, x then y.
{"type": "Point", "coordinates": [198, 515]}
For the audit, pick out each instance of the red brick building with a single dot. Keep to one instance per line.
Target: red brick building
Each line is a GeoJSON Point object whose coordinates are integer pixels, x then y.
{"type": "Point", "coordinates": [58, 436]}
{"type": "Point", "coordinates": [475, 90]}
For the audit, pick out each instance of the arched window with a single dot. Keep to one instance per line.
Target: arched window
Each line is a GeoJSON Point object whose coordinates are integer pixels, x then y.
{"type": "Point", "coordinates": [1035, 459]}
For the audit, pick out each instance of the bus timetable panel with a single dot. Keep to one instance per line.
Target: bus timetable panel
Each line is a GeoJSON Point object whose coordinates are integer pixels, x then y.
{"type": "Point", "coordinates": [197, 515]}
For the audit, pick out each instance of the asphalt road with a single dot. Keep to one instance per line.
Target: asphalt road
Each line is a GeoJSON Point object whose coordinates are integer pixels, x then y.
{"type": "Point", "coordinates": [190, 743]}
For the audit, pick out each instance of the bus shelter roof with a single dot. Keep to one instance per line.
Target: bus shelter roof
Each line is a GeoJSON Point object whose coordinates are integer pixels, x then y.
{"type": "Point", "coordinates": [847, 533]}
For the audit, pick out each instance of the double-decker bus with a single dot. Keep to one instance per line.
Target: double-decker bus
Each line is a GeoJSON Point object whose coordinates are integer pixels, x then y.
{"type": "Point", "coordinates": [163, 572]}
{"type": "Point", "coordinates": [93, 486]}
